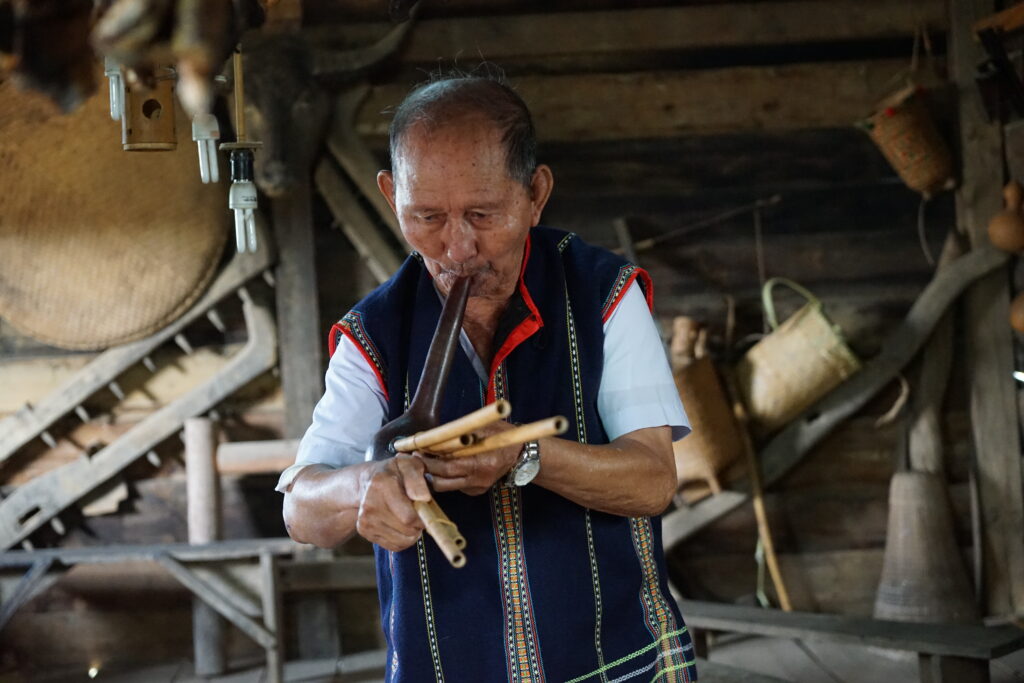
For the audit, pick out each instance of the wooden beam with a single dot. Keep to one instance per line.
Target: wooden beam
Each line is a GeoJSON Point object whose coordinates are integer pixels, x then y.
{"type": "Point", "coordinates": [989, 339]}
{"type": "Point", "coordinates": [379, 256]}
{"type": "Point", "coordinates": [255, 457]}
{"type": "Point", "coordinates": [356, 159]}
{"type": "Point", "coordinates": [35, 580]}
{"type": "Point", "coordinates": [621, 106]}
{"type": "Point", "coordinates": [544, 38]}
{"type": "Point", "coordinates": [298, 311]}
{"type": "Point", "coordinates": [36, 502]}
{"type": "Point", "coordinates": [953, 640]}
{"type": "Point", "coordinates": [214, 599]}
{"type": "Point", "coordinates": [339, 573]}
{"type": "Point", "coordinates": [183, 552]}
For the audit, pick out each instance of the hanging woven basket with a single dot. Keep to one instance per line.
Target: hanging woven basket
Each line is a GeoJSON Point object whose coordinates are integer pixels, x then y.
{"type": "Point", "coordinates": [903, 129]}
{"type": "Point", "coordinates": [799, 362]}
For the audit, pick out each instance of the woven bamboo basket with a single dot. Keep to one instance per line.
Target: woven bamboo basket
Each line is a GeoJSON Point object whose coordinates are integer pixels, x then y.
{"type": "Point", "coordinates": [715, 441]}
{"type": "Point", "coordinates": [790, 369]}
{"type": "Point", "coordinates": [905, 133]}
{"type": "Point", "coordinates": [99, 246]}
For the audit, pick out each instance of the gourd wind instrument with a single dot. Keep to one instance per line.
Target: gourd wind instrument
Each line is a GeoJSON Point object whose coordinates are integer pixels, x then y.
{"type": "Point", "coordinates": [417, 428]}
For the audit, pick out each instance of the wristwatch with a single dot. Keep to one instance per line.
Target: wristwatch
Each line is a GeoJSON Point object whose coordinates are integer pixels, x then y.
{"type": "Point", "coordinates": [526, 467]}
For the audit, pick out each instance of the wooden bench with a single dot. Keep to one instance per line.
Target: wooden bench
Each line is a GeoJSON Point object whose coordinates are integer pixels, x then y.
{"type": "Point", "coordinates": [946, 652]}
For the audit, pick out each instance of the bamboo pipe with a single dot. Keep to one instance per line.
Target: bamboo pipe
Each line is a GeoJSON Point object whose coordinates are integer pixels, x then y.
{"type": "Point", "coordinates": [423, 414]}
{"type": "Point", "coordinates": [450, 430]}
{"type": "Point", "coordinates": [443, 531]}
{"type": "Point", "coordinates": [516, 436]}
{"type": "Point", "coordinates": [455, 443]}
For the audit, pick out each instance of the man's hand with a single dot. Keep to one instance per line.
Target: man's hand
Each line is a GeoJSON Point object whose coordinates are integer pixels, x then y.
{"type": "Point", "coordinates": [475, 474]}
{"type": "Point", "coordinates": [387, 490]}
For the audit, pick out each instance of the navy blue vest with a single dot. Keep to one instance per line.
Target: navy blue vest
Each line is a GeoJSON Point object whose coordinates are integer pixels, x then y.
{"type": "Point", "coordinates": [551, 591]}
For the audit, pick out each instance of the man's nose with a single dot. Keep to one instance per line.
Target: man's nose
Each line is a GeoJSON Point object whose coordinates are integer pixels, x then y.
{"type": "Point", "coordinates": [461, 241]}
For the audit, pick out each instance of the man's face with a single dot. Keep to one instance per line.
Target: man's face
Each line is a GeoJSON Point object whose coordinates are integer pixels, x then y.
{"type": "Point", "coordinates": [459, 208]}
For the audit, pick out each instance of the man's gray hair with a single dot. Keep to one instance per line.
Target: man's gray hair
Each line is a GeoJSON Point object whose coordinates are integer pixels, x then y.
{"type": "Point", "coordinates": [447, 98]}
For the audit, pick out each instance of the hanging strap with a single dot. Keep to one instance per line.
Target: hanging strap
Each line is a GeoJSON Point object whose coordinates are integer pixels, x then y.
{"type": "Point", "coordinates": [769, 303]}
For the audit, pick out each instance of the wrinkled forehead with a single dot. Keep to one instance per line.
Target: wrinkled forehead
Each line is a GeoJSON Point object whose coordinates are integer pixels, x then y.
{"type": "Point", "coordinates": [469, 139]}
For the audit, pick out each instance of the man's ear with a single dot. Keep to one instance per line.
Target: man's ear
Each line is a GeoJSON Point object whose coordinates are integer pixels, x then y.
{"type": "Point", "coordinates": [386, 184]}
{"type": "Point", "coordinates": [540, 190]}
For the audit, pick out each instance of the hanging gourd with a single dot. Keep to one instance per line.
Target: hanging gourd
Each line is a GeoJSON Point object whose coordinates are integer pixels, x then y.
{"type": "Point", "coordinates": [1006, 229]}
{"type": "Point", "coordinates": [1017, 313]}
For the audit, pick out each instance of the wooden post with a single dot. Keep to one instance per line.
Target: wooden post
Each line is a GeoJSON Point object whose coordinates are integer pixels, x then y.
{"type": "Point", "coordinates": [936, 669]}
{"type": "Point", "coordinates": [301, 342]}
{"type": "Point", "coordinates": [298, 313]}
{"type": "Point", "coordinates": [272, 616]}
{"type": "Point", "coordinates": [204, 522]}
{"type": "Point", "coordinates": [989, 340]}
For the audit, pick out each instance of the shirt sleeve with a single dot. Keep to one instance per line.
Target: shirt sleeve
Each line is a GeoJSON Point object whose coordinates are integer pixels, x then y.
{"type": "Point", "coordinates": [637, 389]}
{"type": "Point", "coordinates": [345, 419]}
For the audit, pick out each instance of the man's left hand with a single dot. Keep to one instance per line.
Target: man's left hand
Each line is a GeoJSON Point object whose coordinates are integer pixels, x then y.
{"type": "Point", "coordinates": [475, 474]}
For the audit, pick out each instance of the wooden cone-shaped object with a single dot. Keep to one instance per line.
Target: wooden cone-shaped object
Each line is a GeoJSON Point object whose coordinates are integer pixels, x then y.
{"type": "Point", "coordinates": [923, 577]}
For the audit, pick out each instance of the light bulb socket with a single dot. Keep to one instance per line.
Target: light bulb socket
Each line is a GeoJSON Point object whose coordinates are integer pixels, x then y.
{"type": "Point", "coordinates": [241, 161]}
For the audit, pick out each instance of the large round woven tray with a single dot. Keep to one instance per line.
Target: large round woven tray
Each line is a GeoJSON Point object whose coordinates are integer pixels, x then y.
{"type": "Point", "coordinates": [99, 246]}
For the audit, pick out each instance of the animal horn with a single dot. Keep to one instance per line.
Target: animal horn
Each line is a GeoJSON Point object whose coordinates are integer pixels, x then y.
{"type": "Point", "coordinates": [327, 63]}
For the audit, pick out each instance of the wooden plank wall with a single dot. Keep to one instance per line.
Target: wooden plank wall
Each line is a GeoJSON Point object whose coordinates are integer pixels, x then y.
{"type": "Point", "coordinates": [664, 114]}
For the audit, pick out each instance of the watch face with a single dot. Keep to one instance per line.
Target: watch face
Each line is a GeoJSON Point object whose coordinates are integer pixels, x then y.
{"type": "Point", "coordinates": [526, 471]}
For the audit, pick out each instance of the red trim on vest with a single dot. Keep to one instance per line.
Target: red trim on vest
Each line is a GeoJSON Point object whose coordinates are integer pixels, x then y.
{"type": "Point", "coordinates": [332, 346]}
{"type": "Point", "coordinates": [648, 290]}
{"type": "Point", "coordinates": [523, 330]}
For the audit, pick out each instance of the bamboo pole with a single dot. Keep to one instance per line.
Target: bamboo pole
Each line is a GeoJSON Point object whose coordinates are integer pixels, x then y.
{"type": "Point", "coordinates": [764, 530]}
{"type": "Point", "coordinates": [443, 531]}
{"type": "Point", "coordinates": [516, 436]}
{"type": "Point", "coordinates": [464, 425]}
{"type": "Point", "coordinates": [236, 61]}
{"type": "Point", "coordinates": [456, 443]}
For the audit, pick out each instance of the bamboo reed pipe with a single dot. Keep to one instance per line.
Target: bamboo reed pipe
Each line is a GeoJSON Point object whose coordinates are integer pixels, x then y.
{"type": "Point", "coordinates": [516, 436]}
{"type": "Point", "coordinates": [464, 425]}
{"type": "Point", "coordinates": [453, 444]}
{"type": "Point", "coordinates": [443, 531]}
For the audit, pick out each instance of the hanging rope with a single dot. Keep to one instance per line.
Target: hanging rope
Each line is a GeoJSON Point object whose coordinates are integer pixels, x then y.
{"type": "Point", "coordinates": [922, 236]}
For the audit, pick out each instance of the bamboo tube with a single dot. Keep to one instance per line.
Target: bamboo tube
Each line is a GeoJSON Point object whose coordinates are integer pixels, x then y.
{"type": "Point", "coordinates": [455, 443]}
{"type": "Point", "coordinates": [516, 436]}
{"type": "Point", "coordinates": [240, 132]}
{"type": "Point", "coordinates": [443, 531]}
{"type": "Point", "coordinates": [464, 425]}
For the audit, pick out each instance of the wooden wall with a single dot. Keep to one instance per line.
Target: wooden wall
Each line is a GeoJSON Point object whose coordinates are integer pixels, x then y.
{"type": "Point", "coordinates": [663, 114]}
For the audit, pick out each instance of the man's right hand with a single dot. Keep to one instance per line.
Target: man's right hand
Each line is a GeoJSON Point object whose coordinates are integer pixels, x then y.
{"type": "Point", "coordinates": [387, 489]}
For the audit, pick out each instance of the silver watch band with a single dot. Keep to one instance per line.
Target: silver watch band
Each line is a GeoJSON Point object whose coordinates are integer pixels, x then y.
{"type": "Point", "coordinates": [526, 467]}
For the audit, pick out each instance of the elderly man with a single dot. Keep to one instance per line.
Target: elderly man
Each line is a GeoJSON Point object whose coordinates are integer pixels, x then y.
{"type": "Point", "coordinates": [565, 579]}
